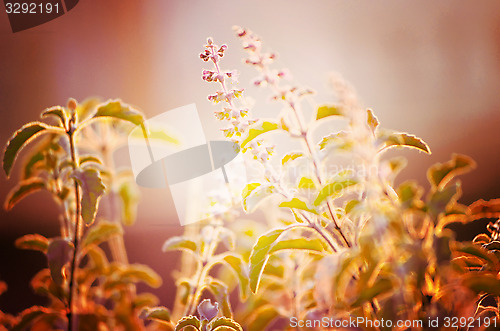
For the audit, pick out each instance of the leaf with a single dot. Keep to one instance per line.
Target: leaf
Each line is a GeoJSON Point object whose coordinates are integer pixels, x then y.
{"type": "Point", "coordinates": [156, 133]}
{"type": "Point", "coordinates": [179, 243]}
{"type": "Point", "coordinates": [22, 190]}
{"type": "Point", "coordinates": [254, 194]}
{"type": "Point", "coordinates": [335, 187]}
{"type": "Point", "coordinates": [327, 110]}
{"type": "Point", "coordinates": [34, 242]}
{"type": "Point", "coordinates": [440, 201]}
{"type": "Point", "coordinates": [92, 189]}
{"type": "Point", "coordinates": [188, 321]}
{"type": "Point", "coordinates": [262, 317]}
{"type": "Point", "coordinates": [101, 232]}
{"type": "Point", "coordinates": [235, 262]}
{"type": "Point", "coordinates": [28, 316]}
{"type": "Point", "coordinates": [381, 285]}
{"type": "Point", "coordinates": [59, 253]}
{"type": "Point", "coordinates": [339, 139]}
{"type": "Point", "coordinates": [484, 209]}
{"type": "Point", "coordinates": [19, 139]}
{"type": "Point", "coordinates": [34, 160]}
{"type": "Point", "coordinates": [147, 300]}
{"type": "Point", "coordinates": [219, 290]}
{"type": "Point", "coordinates": [313, 245]}
{"type": "Point", "coordinates": [58, 112]}
{"type": "Point", "coordinates": [161, 314]}
{"type": "Point", "coordinates": [478, 252]}
{"type": "Point", "coordinates": [89, 158]}
{"type": "Point", "coordinates": [129, 195]}
{"type": "Point", "coordinates": [140, 272]}
{"type": "Point", "coordinates": [258, 129]}
{"type": "Point", "coordinates": [482, 283]}
{"type": "Point", "coordinates": [224, 323]}
{"type": "Point", "coordinates": [306, 183]}
{"type": "Point", "coordinates": [372, 120]}
{"type": "Point", "coordinates": [290, 157]}
{"type": "Point", "coordinates": [441, 173]}
{"type": "Point", "coordinates": [260, 255]}
{"type": "Point", "coordinates": [117, 109]}
{"type": "Point", "coordinates": [403, 139]}
{"type": "Point", "coordinates": [296, 203]}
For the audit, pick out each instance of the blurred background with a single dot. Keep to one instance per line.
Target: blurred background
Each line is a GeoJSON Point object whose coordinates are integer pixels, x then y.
{"type": "Point", "coordinates": [429, 68]}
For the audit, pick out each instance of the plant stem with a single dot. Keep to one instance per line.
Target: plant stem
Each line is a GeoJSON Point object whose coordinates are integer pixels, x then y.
{"type": "Point", "coordinates": [77, 234]}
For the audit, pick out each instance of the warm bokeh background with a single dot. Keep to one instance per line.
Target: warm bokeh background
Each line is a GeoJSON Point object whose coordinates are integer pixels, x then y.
{"type": "Point", "coordinates": [429, 68]}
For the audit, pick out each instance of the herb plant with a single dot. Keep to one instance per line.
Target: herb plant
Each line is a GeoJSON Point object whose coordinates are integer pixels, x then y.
{"type": "Point", "coordinates": [337, 239]}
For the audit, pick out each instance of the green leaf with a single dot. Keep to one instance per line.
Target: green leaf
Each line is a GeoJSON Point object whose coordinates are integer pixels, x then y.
{"type": "Point", "coordinates": [258, 129]}
{"type": "Point", "coordinates": [56, 111]}
{"type": "Point", "coordinates": [157, 313]}
{"type": "Point", "coordinates": [158, 134]}
{"type": "Point", "coordinates": [92, 189]}
{"type": "Point", "coordinates": [313, 245]}
{"type": "Point", "coordinates": [191, 321]}
{"type": "Point", "coordinates": [441, 174]}
{"type": "Point", "coordinates": [260, 255]}
{"type": "Point", "coordinates": [255, 193]}
{"type": "Point", "coordinates": [34, 242]}
{"type": "Point", "coordinates": [335, 187]}
{"type": "Point", "coordinates": [179, 243]}
{"type": "Point", "coordinates": [484, 209]}
{"type": "Point", "coordinates": [22, 190]}
{"type": "Point", "coordinates": [306, 183]}
{"type": "Point", "coordinates": [224, 323]}
{"type": "Point", "coordinates": [290, 157]}
{"type": "Point", "coordinates": [372, 120]}
{"type": "Point", "coordinates": [403, 139]}
{"type": "Point", "coordinates": [31, 164]}
{"type": "Point", "coordinates": [101, 232]}
{"type": "Point", "coordinates": [129, 195]}
{"type": "Point", "coordinates": [482, 283]}
{"type": "Point", "coordinates": [59, 253]}
{"type": "Point", "coordinates": [19, 139]}
{"type": "Point", "coordinates": [147, 300]}
{"type": "Point", "coordinates": [327, 110]}
{"type": "Point", "coordinates": [140, 272]}
{"type": "Point", "coordinates": [262, 317]}
{"type": "Point", "coordinates": [441, 200]}
{"type": "Point", "coordinates": [236, 263]}
{"type": "Point", "coordinates": [117, 109]}
{"type": "Point", "coordinates": [296, 203]}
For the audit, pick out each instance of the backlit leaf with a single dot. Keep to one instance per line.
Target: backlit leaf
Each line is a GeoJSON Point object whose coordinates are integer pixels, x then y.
{"type": "Point", "coordinates": [179, 243]}
{"type": "Point", "coordinates": [482, 283]}
{"type": "Point", "coordinates": [260, 256]}
{"type": "Point", "coordinates": [484, 209]}
{"type": "Point", "coordinates": [306, 183]}
{"type": "Point", "coordinates": [22, 190]}
{"type": "Point", "coordinates": [313, 245]}
{"type": "Point", "coordinates": [34, 242]}
{"type": "Point", "coordinates": [290, 157]}
{"type": "Point", "coordinates": [58, 112]}
{"type": "Point", "coordinates": [335, 187]}
{"type": "Point", "coordinates": [258, 129]}
{"type": "Point", "coordinates": [101, 232]}
{"type": "Point", "coordinates": [402, 139]}
{"type": "Point", "coordinates": [28, 316]}
{"type": "Point", "coordinates": [255, 193]}
{"type": "Point", "coordinates": [140, 272]}
{"type": "Point", "coordinates": [157, 313]}
{"type": "Point", "coordinates": [224, 323]}
{"type": "Point", "coordinates": [327, 110]}
{"type": "Point", "coordinates": [381, 286]}
{"type": "Point", "coordinates": [118, 109]}
{"type": "Point", "coordinates": [441, 174]}
{"type": "Point", "coordinates": [262, 317]}
{"type": "Point", "coordinates": [296, 203]}
{"type": "Point", "coordinates": [220, 293]}
{"type": "Point", "coordinates": [59, 253]}
{"type": "Point", "coordinates": [188, 321]}
{"type": "Point", "coordinates": [92, 190]}
{"type": "Point", "coordinates": [236, 263]}
{"type": "Point", "coordinates": [129, 195]}
{"type": "Point", "coordinates": [339, 140]}
{"type": "Point", "coordinates": [19, 139]}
